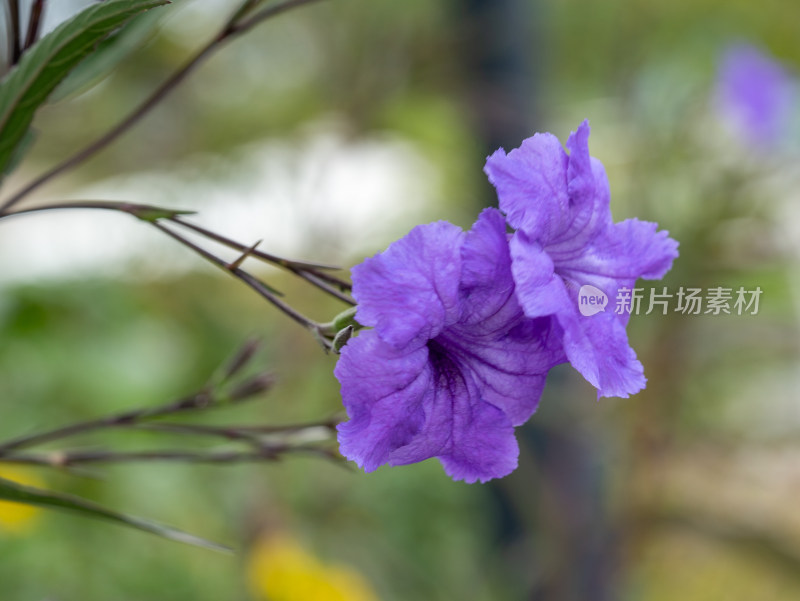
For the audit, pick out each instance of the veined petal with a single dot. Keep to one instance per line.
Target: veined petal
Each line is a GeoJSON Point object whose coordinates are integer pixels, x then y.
{"type": "Point", "coordinates": [539, 290]}
{"type": "Point", "coordinates": [531, 184]}
{"type": "Point", "coordinates": [508, 354]}
{"type": "Point", "coordinates": [509, 365]}
{"type": "Point", "coordinates": [559, 200]}
{"type": "Point", "coordinates": [486, 281]}
{"type": "Point", "coordinates": [597, 347]}
{"type": "Point", "coordinates": [483, 445]}
{"type": "Point", "coordinates": [580, 179]}
{"type": "Point", "coordinates": [475, 439]}
{"type": "Point", "coordinates": [587, 188]}
{"type": "Point", "coordinates": [587, 213]}
{"type": "Point", "coordinates": [634, 249]}
{"type": "Point", "coordinates": [410, 291]}
{"type": "Point", "coordinates": [408, 407]}
{"type": "Point", "coordinates": [383, 391]}
{"type": "Point", "coordinates": [629, 250]}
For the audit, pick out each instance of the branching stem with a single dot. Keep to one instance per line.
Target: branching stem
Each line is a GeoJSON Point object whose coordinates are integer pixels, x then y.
{"type": "Point", "coordinates": [63, 459]}
{"type": "Point", "coordinates": [34, 24]}
{"type": "Point", "coordinates": [314, 273]}
{"type": "Point", "coordinates": [230, 30]}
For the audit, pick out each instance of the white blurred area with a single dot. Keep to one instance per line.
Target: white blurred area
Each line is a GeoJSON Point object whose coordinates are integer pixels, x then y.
{"type": "Point", "coordinates": [319, 196]}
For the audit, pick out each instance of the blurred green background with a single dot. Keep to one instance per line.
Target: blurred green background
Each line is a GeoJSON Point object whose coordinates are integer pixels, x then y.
{"type": "Point", "coordinates": [329, 132]}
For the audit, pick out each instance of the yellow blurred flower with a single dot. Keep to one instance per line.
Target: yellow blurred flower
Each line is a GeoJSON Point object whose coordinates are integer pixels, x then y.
{"type": "Point", "coordinates": [280, 569]}
{"type": "Point", "coordinates": [17, 517]}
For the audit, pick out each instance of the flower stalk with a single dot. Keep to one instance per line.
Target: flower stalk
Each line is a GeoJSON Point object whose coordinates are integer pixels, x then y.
{"type": "Point", "coordinates": [313, 273]}
{"type": "Point", "coordinates": [264, 442]}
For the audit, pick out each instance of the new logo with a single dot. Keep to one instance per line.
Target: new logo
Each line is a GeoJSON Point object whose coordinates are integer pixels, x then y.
{"type": "Point", "coordinates": [591, 300]}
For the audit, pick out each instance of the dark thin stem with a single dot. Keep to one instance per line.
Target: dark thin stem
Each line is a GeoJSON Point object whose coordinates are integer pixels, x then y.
{"type": "Point", "coordinates": [316, 277]}
{"type": "Point", "coordinates": [13, 25]}
{"type": "Point", "coordinates": [70, 458]}
{"type": "Point", "coordinates": [261, 289]}
{"type": "Point", "coordinates": [241, 359]}
{"type": "Point", "coordinates": [248, 279]}
{"type": "Point", "coordinates": [6, 64]}
{"type": "Point", "coordinates": [269, 258]}
{"type": "Point", "coordinates": [311, 272]}
{"type": "Point", "coordinates": [136, 418]}
{"type": "Point", "coordinates": [135, 209]}
{"type": "Point", "coordinates": [316, 280]}
{"type": "Point", "coordinates": [227, 433]}
{"type": "Point", "coordinates": [272, 11]}
{"type": "Point", "coordinates": [230, 30]}
{"type": "Point", "coordinates": [34, 23]}
{"type": "Point", "coordinates": [203, 399]}
{"type": "Point", "coordinates": [240, 432]}
{"type": "Point", "coordinates": [244, 8]}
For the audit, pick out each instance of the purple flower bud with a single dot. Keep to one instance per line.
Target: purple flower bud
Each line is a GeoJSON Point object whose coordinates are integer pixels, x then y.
{"type": "Point", "coordinates": [755, 94]}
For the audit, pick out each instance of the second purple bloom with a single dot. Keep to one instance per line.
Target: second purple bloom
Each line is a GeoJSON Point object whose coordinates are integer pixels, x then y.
{"type": "Point", "coordinates": [566, 239]}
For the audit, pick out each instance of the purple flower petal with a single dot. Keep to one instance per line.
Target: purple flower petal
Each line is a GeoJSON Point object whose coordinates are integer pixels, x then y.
{"type": "Point", "coordinates": [509, 354]}
{"type": "Point", "coordinates": [629, 250]}
{"type": "Point", "coordinates": [383, 391]}
{"type": "Point", "coordinates": [484, 446]}
{"type": "Point", "coordinates": [486, 284]}
{"type": "Point", "coordinates": [559, 199]}
{"type": "Point", "coordinates": [596, 345]}
{"type": "Point", "coordinates": [540, 291]}
{"type": "Point", "coordinates": [410, 291]}
{"type": "Point", "coordinates": [530, 182]}
{"type": "Point", "coordinates": [406, 407]}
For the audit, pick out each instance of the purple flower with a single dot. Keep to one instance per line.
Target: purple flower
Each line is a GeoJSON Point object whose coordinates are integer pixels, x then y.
{"type": "Point", "coordinates": [755, 93]}
{"type": "Point", "coordinates": [565, 239]}
{"type": "Point", "coordinates": [451, 363]}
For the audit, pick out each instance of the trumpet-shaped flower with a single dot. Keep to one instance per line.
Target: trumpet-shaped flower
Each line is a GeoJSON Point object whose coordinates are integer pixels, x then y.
{"type": "Point", "coordinates": [451, 363]}
{"type": "Point", "coordinates": [565, 239]}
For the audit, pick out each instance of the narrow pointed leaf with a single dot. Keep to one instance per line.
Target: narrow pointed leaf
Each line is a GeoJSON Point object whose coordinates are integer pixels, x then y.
{"type": "Point", "coordinates": [109, 54]}
{"type": "Point", "coordinates": [28, 495]}
{"type": "Point", "coordinates": [50, 60]}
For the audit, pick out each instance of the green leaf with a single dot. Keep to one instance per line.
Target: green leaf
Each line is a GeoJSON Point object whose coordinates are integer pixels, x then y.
{"type": "Point", "coordinates": [109, 54]}
{"type": "Point", "coordinates": [22, 147]}
{"type": "Point", "coordinates": [18, 493]}
{"type": "Point", "coordinates": [49, 61]}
